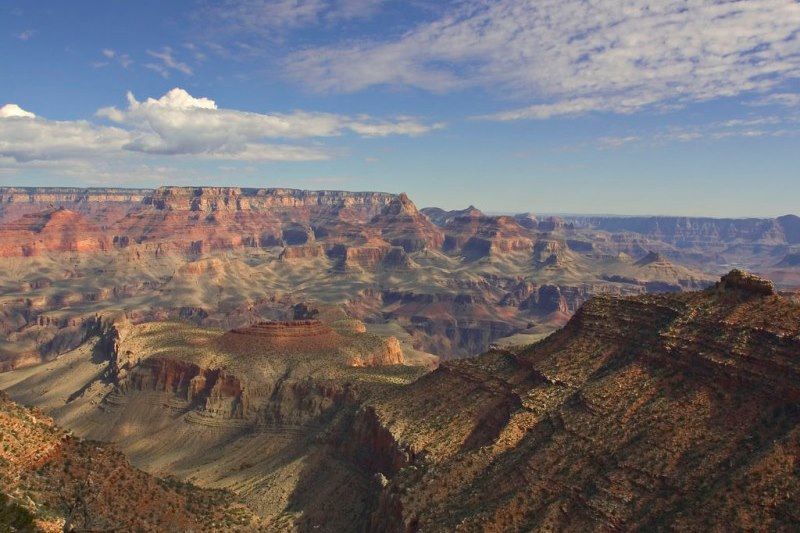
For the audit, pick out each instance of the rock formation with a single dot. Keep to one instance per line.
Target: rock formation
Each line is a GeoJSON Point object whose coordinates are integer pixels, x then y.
{"type": "Point", "coordinates": [476, 235]}
{"type": "Point", "coordinates": [402, 225]}
{"type": "Point", "coordinates": [673, 411]}
{"type": "Point", "coordinates": [226, 257]}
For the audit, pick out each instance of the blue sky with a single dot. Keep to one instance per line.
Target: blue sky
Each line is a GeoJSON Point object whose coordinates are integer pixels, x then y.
{"type": "Point", "coordinates": [672, 107]}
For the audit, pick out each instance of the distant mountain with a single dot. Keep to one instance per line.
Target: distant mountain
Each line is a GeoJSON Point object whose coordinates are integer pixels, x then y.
{"type": "Point", "coordinates": [693, 231]}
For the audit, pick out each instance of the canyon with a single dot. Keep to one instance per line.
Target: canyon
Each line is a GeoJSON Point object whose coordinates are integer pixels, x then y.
{"type": "Point", "coordinates": [452, 282]}
{"type": "Point", "coordinates": [641, 412]}
{"type": "Point", "coordinates": [253, 351]}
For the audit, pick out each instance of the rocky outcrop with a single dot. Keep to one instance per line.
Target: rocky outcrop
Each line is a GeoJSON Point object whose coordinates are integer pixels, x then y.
{"type": "Point", "coordinates": [272, 373]}
{"type": "Point", "coordinates": [553, 224]}
{"type": "Point", "coordinates": [54, 230]}
{"type": "Point", "coordinates": [400, 224]}
{"type": "Point", "coordinates": [368, 256]}
{"type": "Point", "coordinates": [387, 352]}
{"type": "Point", "coordinates": [550, 253]}
{"type": "Point", "coordinates": [442, 218]}
{"type": "Point", "coordinates": [396, 258]}
{"type": "Point", "coordinates": [294, 234]}
{"type": "Point", "coordinates": [650, 258]}
{"type": "Point", "coordinates": [476, 236]}
{"type": "Point", "coordinates": [290, 335]}
{"type": "Point", "coordinates": [527, 220]}
{"type": "Point", "coordinates": [737, 280]}
{"type": "Point", "coordinates": [309, 251]}
{"type": "Point", "coordinates": [644, 400]}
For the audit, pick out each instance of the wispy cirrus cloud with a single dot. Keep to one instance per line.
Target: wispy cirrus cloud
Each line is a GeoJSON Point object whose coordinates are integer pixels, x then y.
{"type": "Point", "coordinates": [110, 56]}
{"type": "Point", "coordinates": [570, 57]}
{"type": "Point", "coordinates": [780, 99]}
{"type": "Point", "coordinates": [275, 17]}
{"type": "Point", "coordinates": [749, 127]}
{"type": "Point", "coordinates": [26, 35]}
{"type": "Point", "coordinates": [167, 63]}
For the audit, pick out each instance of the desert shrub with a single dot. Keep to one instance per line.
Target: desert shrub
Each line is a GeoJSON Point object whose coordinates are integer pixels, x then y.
{"type": "Point", "coordinates": [14, 517]}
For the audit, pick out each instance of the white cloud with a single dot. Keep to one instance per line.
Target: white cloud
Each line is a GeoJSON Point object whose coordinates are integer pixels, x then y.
{"type": "Point", "coordinates": [13, 110]}
{"type": "Point", "coordinates": [109, 56]}
{"type": "Point", "coordinates": [270, 17]}
{"type": "Point", "coordinates": [616, 142]}
{"type": "Point", "coordinates": [24, 139]}
{"type": "Point", "coordinates": [738, 128]}
{"type": "Point", "coordinates": [167, 62]}
{"type": "Point", "coordinates": [782, 99]}
{"type": "Point", "coordinates": [575, 56]}
{"type": "Point", "coordinates": [179, 124]}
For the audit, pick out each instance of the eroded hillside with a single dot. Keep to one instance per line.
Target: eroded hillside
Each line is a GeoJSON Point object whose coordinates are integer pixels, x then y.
{"type": "Point", "coordinates": [230, 257]}
{"type": "Point", "coordinates": [654, 412]}
{"type": "Point", "coordinates": [270, 412]}
{"type": "Point", "coordinates": [52, 481]}
{"type": "Point", "coordinates": [667, 411]}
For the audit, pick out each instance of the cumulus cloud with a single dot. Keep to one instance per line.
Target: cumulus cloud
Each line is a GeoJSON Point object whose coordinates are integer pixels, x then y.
{"type": "Point", "coordinates": [25, 138]}
{"type": "Point", "coordinates": [178, 124]}
{"type": "Point", "coordinates": [13, 110]}
{"type": "Point", "coordinates": [569, 57]}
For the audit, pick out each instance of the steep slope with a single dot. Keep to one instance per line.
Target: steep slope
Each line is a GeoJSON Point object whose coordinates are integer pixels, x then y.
{"type": "Point", "coordinates": [657, 274]}
{"type": "Point", "coordinates": [440, 217]}
{"type": "Point", "coordinates": [265, 411]}
{"type": "Point", "coordinates": [672, 411]}
{"type": "Point", "coordinates": [228, 257]}
{"type": "Point", "coordinates": [655, 412]}
{"type": "Point", "coordinates": [52, 481]}
{"type": "Point", "coordinates": [401, 224]}
{"type": "Point", "coordinates": [476, 235]}
{"type": "Point", "coordinates": [52, 230]}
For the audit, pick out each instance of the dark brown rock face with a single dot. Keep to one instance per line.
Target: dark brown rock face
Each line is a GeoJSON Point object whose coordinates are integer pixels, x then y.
{"type": "Point", "coordinates": [747, 283]}
{"type": "Point", "coordinates": [671, 411]}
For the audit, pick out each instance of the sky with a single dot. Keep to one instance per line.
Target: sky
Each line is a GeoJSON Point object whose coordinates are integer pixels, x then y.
{"type": "Point", "coordinates": [675, 107]}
